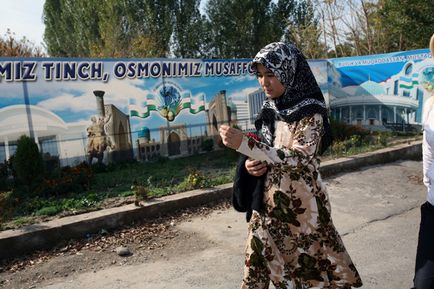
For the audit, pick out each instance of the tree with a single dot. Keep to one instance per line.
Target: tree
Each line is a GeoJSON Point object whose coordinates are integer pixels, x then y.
{"type": "Point", "coordinates": [72, 27]}
{"type": "Point", "coordinates": [128, 28]}
{"type": "Point", "coordinates": [303, 30]}
{"type": "Point", "coordinates": [189, 30]}
{"type": "Point", "coordinates": [360, 27]}
{"type": "Point", "coordinates": [11, 47]}
{"type": "Point", "coordinates": [330, 12]}
{"type": "Point", "coordinates": [28, 163]}
{"type": "Point", "coordinates": [239, 29]}
{"type": "Point", "coordinates": [281, 13]}
{"type": "Point", "coordinates": [408, 24]}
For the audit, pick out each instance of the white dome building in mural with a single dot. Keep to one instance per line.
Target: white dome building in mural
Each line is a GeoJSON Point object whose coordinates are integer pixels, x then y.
{"type": "Point", "coordinates": [398, 100]}
{"type": "Point", "coordinates": [53, 136]}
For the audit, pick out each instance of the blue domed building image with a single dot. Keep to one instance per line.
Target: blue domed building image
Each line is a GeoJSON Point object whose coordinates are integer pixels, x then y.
{"type": "Point", "coordinates": [394, 104]}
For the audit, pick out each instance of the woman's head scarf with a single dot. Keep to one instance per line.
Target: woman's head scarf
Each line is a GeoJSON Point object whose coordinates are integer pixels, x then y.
{"type": "Point", "coordinates": [302, 96]}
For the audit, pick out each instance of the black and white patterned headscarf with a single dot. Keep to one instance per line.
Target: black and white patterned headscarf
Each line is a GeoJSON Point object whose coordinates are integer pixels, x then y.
{"type": "Point", "coordinates": [302, 96]}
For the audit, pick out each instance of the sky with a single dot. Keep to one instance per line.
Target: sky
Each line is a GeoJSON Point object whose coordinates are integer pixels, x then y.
{"type": "Point", "coordinates": [24, 18]}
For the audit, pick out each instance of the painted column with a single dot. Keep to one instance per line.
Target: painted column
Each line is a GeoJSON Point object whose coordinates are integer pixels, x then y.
{"type": "Point", "coordinates": [364, 114]}
{"type": "Point", "coordinates": [394, 114]}
{"type": "Point", "coordinates": [35, 135]}
{"type": "Point", "coordinates": [59, 146]}
{"type": "Point", "coordinates": [8, 154]}
{"type": "Point", "coordinates": [351, 114]}
{"type": "Point", "coordinates": [99, 94]}
{"type": "Point", "coordinates": [380, 116]}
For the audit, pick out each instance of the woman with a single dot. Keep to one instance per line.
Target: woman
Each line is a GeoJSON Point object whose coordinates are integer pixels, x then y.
{"type": "Point", "coordinates": [292, 240]}
{"type": "Point", "coordinates": [424, 272]}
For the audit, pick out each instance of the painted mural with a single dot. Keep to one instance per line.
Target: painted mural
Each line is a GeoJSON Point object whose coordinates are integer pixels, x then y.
{"type": "Point", "coordinates": [118, 109]}
{"type": "Point", "coordinates": [381, 92]}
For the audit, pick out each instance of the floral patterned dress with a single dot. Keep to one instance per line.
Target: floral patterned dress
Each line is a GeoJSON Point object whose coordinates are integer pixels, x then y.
{"type": "Point", "coordinates": [294, 243]}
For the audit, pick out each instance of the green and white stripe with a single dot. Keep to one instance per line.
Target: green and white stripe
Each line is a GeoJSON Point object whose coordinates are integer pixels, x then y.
{"type": "Point", "coordinates": [142, 108]}
{"type": "Point", "coordinates": [408, 83]}
{"type": "Point", "coordinates": [195, 104]}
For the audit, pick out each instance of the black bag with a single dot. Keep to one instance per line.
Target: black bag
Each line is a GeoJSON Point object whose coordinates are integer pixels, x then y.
{"type": "Point", "coordinates": [247, 191]}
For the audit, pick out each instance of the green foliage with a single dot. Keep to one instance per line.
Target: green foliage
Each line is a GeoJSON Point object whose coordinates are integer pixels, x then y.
{"type": "Point", "coordinates": [7, 173]}
{"type": "Point", "coordinates": [190, 34]}
{"type": "Point", "coordinates": [140, 191]}
{"type": "Point", "coordinates": [229, 28]}
{"type": "Point", "coordinates": [195, 179]}
{"type": "Point", "coordinates": [357, 144]}
{"type": "Point", "coordinates": [353, 139]}
{"type": "Point", "coordinates": [406, 24]}
{"type": "Point", "coordinates": [28, 164]}
{"type": "Point", "coordinates": [6, 206]}
{"type": "Point", "coordinates": [48, 211]}
{"type": "Point", "coordinates": [158, 179]}
{"type": "Point", "coordinates": [111, 28]}
{"type": "Point", "coordinates": [207, 144]}
{"type": "Point", "coordinates": [137, 28]}
{"type": "Point", "coordinates": [342, 131]}
{"type": "Point", "coordinates": [239, 29]}
{"type": "Point", "coordinates": [303, 30]}
{"type": "Point", "coordinates": [68, 180]}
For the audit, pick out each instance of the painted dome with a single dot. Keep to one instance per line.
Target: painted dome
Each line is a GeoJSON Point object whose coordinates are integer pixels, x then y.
{"type": "Point", "coordinates": [144, 133]}
{"type": "Point", "coordinates": [369, 88]}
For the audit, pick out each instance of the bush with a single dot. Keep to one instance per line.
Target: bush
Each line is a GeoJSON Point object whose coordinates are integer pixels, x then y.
{"type": "Point", "coordinates": [6, 206]}
{"type": "Point", "coordinates": [48, 211]}
{"type": "Point", "coordinates": [196, 179]}
{"type": "Point", "coordinates": [342, 131]}
{"type": "Point", "coordinates": [208, 145]}
{"type": "Point", "coordinates": [6, 174]}
{"type": "Point", "coordinates": [28, 164]}
{"type": "Point", "coordinates": [69, 180]}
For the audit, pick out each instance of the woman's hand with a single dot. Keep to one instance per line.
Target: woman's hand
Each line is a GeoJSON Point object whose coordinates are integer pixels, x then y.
{"type": "Point", "coordinates": [231, 137]}
{"type": "Point", "coordinates": [255, 168]}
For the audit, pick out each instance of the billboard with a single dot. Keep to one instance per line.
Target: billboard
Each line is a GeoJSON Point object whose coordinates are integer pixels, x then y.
{"type": "Point", "coordinates": [102, 110]}
{"type": "Point", "coordinates": [384, 91]}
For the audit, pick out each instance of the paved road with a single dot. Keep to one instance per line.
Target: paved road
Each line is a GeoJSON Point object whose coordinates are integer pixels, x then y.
{"type": "Point", "coordinates": [376, 210]}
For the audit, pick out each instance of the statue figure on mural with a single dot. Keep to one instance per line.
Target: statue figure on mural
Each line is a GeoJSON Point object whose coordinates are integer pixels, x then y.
{"type": "Point", "coordinates": [98, 140]}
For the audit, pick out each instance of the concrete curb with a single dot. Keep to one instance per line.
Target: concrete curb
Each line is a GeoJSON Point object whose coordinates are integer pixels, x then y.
{"type": "Point", "coordinates": [15, 243]}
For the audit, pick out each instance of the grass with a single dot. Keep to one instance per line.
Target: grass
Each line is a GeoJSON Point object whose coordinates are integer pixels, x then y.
{"type": "Point", "coordinates": [161, 177]}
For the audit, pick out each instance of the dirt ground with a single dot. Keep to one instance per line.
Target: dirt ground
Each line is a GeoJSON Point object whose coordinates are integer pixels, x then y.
{"type": "Point", "coordinates": [146, 242]}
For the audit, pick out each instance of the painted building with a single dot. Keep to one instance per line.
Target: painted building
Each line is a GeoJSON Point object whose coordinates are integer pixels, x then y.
{"type": "Point", "coordinates": [54, 137]}
{"type": "Point", "coordinates": [176, 140]}
{"type": "Point", "coordinates": [380, 92]}
{"type": "Point", "coordinates": [175, 143]}
{"type": "Point", "coordinates": [241, 106]}
{"type": "Point", "coordinates": [57, 139]}
{"type": "Point", "coordinates": [398, 100]}
{"type": "Point", "coordinates": [256, 98]}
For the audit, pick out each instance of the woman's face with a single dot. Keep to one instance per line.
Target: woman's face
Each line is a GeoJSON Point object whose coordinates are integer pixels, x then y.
{"type": "Point", "coordinates": [269, 83]}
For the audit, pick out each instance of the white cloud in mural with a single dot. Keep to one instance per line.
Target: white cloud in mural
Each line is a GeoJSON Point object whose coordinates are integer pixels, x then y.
{"type": "Point", "coordinates": [79, 96]}
{"type": "Point", "coordinates": [242, 94]}
{"type": "Point", "coordinates": [235, 79]}
{"type": "Point", "coordinates": [69, 102]}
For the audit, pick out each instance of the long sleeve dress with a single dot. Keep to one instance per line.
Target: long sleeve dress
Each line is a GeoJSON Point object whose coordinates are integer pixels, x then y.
{"type": "Point", "coordinates": [293, 241]}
